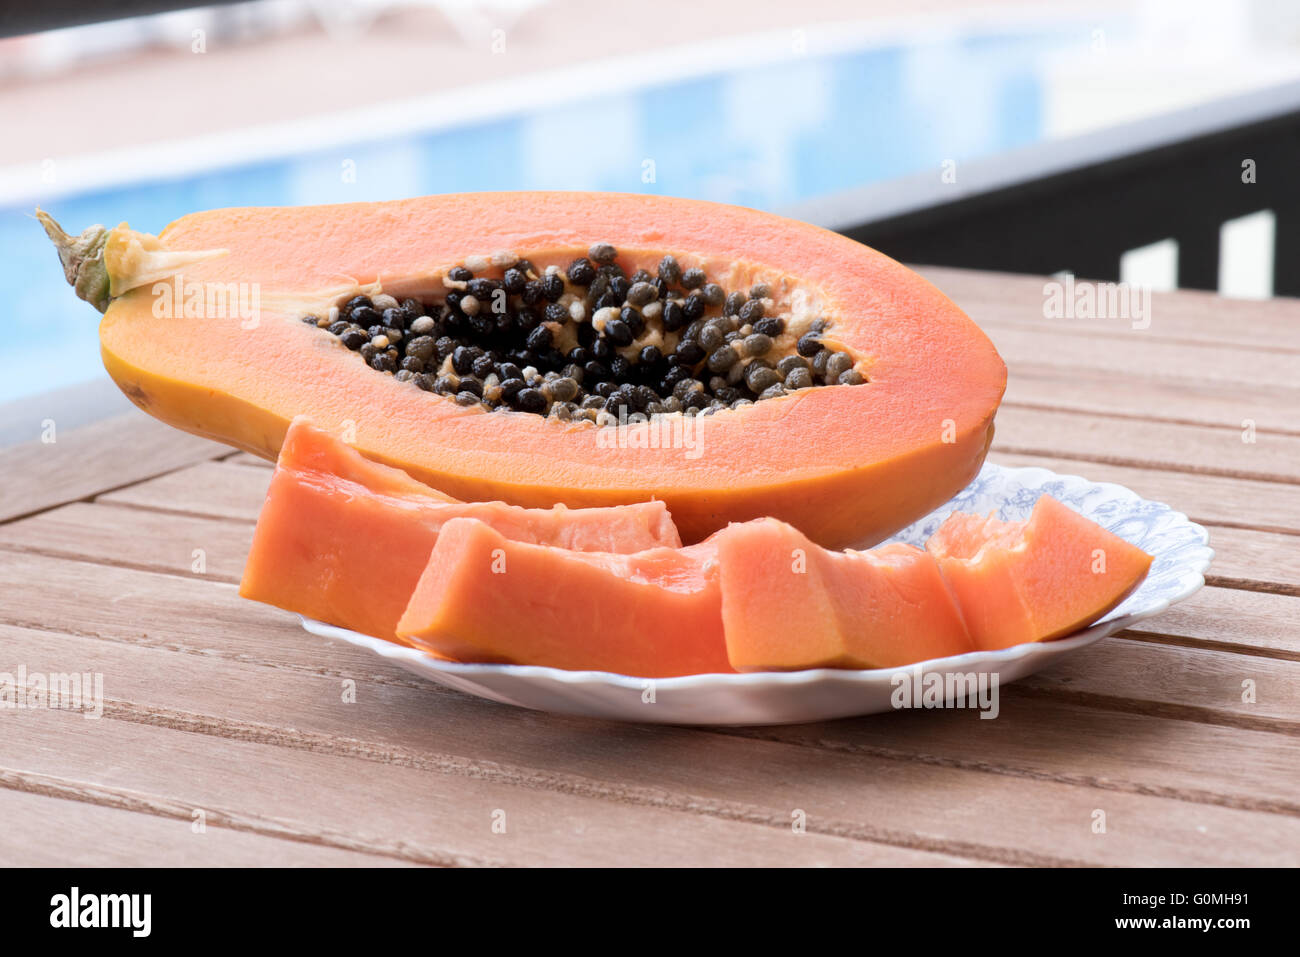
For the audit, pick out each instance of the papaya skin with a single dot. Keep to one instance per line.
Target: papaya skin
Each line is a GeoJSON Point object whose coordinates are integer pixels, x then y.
{"type": "Point", "coordinates": [847, 465]}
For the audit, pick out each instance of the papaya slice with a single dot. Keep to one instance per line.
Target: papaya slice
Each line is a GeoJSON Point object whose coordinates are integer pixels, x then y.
{"type": "Point", "coordinates": [483, 597]}
{"type": "Point", "coordinates": [797, 373]}
{"type": "Point", "coordinates": [343, 540]}
{"type": "Point", "coordinates": [1037, 579]}
{"type": "Point", "coordinates": [788, 604]}
{"type": "Point", "coordinates": [762, 596]}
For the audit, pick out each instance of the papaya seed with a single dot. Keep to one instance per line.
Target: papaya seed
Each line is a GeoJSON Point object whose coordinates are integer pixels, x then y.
{"type": "Point", "coordinates": [582, 341]}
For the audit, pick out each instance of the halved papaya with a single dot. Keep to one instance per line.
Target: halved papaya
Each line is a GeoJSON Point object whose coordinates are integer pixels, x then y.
{"type": "Point", "coordinates": [483, 597]}
{"type": "Point", "coordinates": [1037, 579]}
{"type": "Point", "coordinates": [788, 604]}
{"type": "Point", "coordinates": [343, 539]}
{"type": "Point", "coordinates": [507, 346]}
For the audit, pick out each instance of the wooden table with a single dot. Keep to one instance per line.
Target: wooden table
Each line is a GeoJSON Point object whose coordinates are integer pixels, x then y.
{"type": "Point", "coordinates": [122, 543]}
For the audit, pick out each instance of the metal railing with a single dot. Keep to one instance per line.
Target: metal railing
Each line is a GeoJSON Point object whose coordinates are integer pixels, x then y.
{"type": "Point", "coordinates": [1078, 205]}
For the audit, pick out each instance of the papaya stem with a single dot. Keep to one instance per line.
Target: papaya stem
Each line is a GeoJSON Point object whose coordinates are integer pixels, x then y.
{"type": "Point", "coordinates": [83, 260]}
{"type": "Point", "coordinates": [102, 264]}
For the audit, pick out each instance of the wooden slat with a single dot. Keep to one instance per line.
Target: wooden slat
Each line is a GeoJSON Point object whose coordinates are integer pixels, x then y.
{"type": "Point", "coordinates": [1152, 445]}
{"type": "Point", "coordinates": [999, 300]}
{"type": "Point", "coordinates": [1190, 683]}
{"type": "Point", "coordinates": [400, 806]}
{"type": "Point", "coordinates": [212, 489]}
{"type": "Point", "coordinates": [197, 617]}
{"type": "Point", "coordinates": [1256, 560]}
{"type": "Point", "coordinates": [1157, 399]}
{"type": "Point", "coordinates": [135, 538]}
{"type": "Point", "coordinates": [71, 407]}
{"type": "Point", "coordinates": [866, 798]}
{"type": "Point", "coordinates": [1134, 355]}
{"type": "Point", "coordinates": [1229, 619]}
{"type": "Point", "coordinates": [55, 824]}
{"type": "Point", "coordinates": [83, 462]}
{"type": "Point", "coordinates": [1040, 737]}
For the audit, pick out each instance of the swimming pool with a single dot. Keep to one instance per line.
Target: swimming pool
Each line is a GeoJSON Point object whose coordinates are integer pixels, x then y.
{"type": "Point", "coordinates": [765, 136]}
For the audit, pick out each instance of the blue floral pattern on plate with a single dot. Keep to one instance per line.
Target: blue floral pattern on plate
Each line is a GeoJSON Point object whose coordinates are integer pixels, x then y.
{"type": "Point", "coordinates": [1180, 547]}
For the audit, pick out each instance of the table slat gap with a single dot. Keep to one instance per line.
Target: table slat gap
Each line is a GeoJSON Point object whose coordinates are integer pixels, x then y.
{"type": "Point", "coordinates": [1246, 584]}
{"type": "Point", "coordinates": [217, 490]}
{"type": "Point", "coordinates": [247, 459]}
{"type": "Point", "coordinates": [83, 462]}
{"type": "Point", "coordinates": [68, 555]}
{"type": "Point", "coordinates": [1164, 709]}
{"type": "Point", "coordinates": [1208, 644]}
{"type": "Point", "coordinates": [1118, 332]}
{"type": "Point", "coordinates": [164, 509]}
{"type": "Point", "coordinates": [396, 679]}
{"type": "Point", "coordinates": [1125, 338]}
{"type": "Point", "coordinates": [1094, 437]}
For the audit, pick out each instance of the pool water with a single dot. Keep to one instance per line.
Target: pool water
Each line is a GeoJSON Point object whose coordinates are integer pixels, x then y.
{"type": "Point", "coordinates": [764, 137]}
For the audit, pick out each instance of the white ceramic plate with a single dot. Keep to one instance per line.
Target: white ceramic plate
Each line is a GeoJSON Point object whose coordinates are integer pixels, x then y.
{"type": "Point", "coordinates": [1180, 547]}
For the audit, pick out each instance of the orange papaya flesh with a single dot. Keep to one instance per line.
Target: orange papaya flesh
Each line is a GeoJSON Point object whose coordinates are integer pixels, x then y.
{"type": "Point", "coordinates": [485, 598]}
{"type": "Point", "coordinates": [788, 604]}
{"type": "Point", "coordinates": [733, 602]}
{"type": "Point", "coordinates": [343, 540]}
{"type": "Point", "coordinates": [847, 465]}
{"type": "Point", "coordinates": [1037, 579]}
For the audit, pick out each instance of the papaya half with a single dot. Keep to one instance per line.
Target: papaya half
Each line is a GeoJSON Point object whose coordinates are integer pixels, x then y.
{"type": "Point", "coordinates": [588, 349]}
